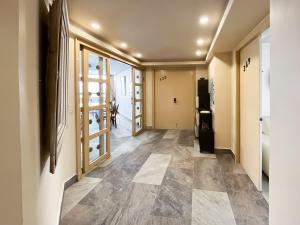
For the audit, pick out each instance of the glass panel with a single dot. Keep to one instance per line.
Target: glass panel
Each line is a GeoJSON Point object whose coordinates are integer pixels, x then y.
{"type": "Point", "coordinates": [97, 121]}
{"type": "Point", "coordinates": [138, 92]}
{"type": "Point", "coordinates": [104, 69]}
{"type": "Point", "coordinates": [80, 63]}
{"type": "Point", "coordinates": [138, 109]}
{"type": "Point", "coordinates": [138, 77]}
{"type": "Point", "coordinates": [81, 124]}
{"type": "Point", "coordinates": [81, 93]}
{"type": "Point", "coordinates": [95, 66]}
{"type": "Point", "coordinates": [97, 147]}
{"type": "Point", "coordinates": [81, 152]}
{"type": "Point", "coordinates": [97, 93]}
{"type": "Point", "coordinates": [94, 149]}
{"type": "Point", "coordinates": [138, 124]}
{"type": "Point", "coordinates": [103, 144]}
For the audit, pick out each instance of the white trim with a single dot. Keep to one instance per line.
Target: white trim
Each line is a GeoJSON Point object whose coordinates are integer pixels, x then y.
{"type": "Point", "coordinates": [225, 15]}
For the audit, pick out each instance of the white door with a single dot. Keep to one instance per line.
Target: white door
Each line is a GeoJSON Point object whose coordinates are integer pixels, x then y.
{"type": "Point", "coordinates": [250, 148]}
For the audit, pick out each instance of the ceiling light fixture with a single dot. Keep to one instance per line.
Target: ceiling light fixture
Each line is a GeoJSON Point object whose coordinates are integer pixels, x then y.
{"type": "Point", "coordinates": [200, 42]}
{"type": "Point", "coordinates": [123, 45]}
{"type": "Point", "coordinates": [203, 20]}
{"type": "Point", "coordinates": [198, 52]}
{"type": "Point", "coordinates": [95, 26]}
{"type": "Point", "coordinates": [139, 55]}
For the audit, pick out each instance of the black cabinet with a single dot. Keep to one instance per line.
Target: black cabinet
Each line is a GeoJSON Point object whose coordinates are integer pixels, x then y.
{"type": "Point", "coordinates": [207, 141]}
{"type": "Point", "coordinates": [206, 133]}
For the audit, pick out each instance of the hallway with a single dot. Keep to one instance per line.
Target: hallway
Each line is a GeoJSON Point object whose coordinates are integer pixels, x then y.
{"type": "Point", "coordinates": [158, 178]}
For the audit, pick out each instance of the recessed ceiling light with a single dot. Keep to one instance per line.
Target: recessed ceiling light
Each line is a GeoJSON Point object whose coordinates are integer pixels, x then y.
{"type": "Point", "coordinates": [123, 45]}
{"type": "Point", "coordinates": [95, 26]}
{"type": "Point", "coordinates": [203, 20]}
{"type": "Point", "coordinates": [198, 52]}
{"type": "Point", "coordinates": [200, 42]}
{"type": "Point", "coordinates": [139, 55]}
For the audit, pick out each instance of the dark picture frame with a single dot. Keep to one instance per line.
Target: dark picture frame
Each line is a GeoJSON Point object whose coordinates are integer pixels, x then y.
{"type": "Point", "coordinates": [56, 80]}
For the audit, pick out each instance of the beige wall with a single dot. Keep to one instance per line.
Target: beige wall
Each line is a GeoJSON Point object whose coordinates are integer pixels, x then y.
{"type": "Point", "coordinates": [10, 160]}
{"type": "Point", "coordinates": [149, 100]}
{"type": "Point", "coordinates": [219, 71]}
{"type": "Point", "coordinates": [31, 196]}
{"type": "Point", "coordinates": [285, 111]}
{"type": "Point", "coordinates": [200, 71]}
{"type": "Point", "coordinates": [179, 84]}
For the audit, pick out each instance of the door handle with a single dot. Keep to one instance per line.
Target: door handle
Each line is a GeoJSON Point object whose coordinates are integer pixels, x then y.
{"type": "Point", "coordinates": [175, 100]}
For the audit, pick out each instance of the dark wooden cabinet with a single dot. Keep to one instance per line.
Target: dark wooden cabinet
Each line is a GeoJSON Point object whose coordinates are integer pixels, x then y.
{"type": "Point", "coordinates": [206, 132]}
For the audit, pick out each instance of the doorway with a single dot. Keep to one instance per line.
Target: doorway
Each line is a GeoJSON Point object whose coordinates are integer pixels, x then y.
{"type": "Point", "coordinates": [174, 99]}
{"type": "Point", "coordinates": [93, 109]}
{"type": "Point", "coordinates": [265, 109]}
{"type": "Point", "coordinates": [126, 99]}
{"type": "Point", "coordinates": [109, 105]}
{"type": "Point", "coordinates": [121, 102]}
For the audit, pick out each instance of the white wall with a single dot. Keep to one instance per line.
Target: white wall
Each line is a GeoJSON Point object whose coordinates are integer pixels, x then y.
{"type": "Point", "coordinates": [10, 160]}
{"type": "Point", "coordinates": [285, 111]}
{"type": "Point", "coordinates": [124, 101]}
{"type": "Point", "coordinates": [219, 72]}
{"type": "Point", "coordinates": [31, 196]}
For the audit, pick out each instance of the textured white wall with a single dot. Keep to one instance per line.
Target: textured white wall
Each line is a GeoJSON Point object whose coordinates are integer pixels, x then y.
{"type": "Point", "coordinates": [10, 160]}
{"type": "Point", "coordinates": [285, 111]}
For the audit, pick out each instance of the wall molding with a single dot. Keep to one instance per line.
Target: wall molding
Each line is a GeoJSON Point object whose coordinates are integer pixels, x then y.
{"type": "Point", "coordinates": [220, 27]}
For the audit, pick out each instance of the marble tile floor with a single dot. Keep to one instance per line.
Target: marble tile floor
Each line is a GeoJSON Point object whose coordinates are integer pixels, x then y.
{"type": "Point", "coordinates": [193, 190]}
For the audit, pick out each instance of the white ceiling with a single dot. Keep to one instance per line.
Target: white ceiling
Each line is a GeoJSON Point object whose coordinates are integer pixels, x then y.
{"type": "Point", "coordinates": [242, 18]}
{"type": "Point", "coordinates": [162, 30]}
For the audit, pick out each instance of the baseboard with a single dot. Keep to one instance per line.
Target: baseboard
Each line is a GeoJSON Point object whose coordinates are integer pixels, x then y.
{"type": "Point", "coordinates": [148, 127]}
{"type": "Point", "coordinates": [225, 151]}
{"type": "Point", "coordinates": [68, 183]}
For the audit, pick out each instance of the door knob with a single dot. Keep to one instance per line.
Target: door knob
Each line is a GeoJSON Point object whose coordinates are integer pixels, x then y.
{"type": "Point", "coordinates": [175, 100]}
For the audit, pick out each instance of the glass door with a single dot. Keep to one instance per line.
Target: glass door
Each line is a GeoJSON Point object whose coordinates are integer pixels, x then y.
{"type": "Point", "coordinates": [95, 112]}
{"type": "Point", "coordinates": [137, 105]}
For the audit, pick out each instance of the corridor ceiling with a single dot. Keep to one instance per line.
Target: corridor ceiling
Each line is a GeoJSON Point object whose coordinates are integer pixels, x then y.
{"type": "Point", "coordinates": [160, 30]}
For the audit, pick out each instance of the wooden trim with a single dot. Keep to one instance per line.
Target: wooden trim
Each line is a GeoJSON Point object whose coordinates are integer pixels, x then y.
{"type": "Point", "coordinates": [134, 101]}
{"type": "Point", "coordinates": [108, 150]}
{"type": "Point", "coordinates": [96, 80]}
{"type": "Point", "coordinates": [103, 155]}
{"type": "Point", "coordinates": [78, 109]}
{"type": "Point", "coordinates": [238, 111]}
{"type": "Point", "coordinates": [101, 132]}
{"type": "Point", "coordinates": [98, 107]}
{"type": "Point", "coordinates": [104, 53]}
{"type": "Point", "coordinates": [85, 152]}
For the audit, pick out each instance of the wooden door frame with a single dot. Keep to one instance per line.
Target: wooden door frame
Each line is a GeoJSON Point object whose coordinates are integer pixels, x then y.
{"type": "Point", "coordinates": [79, 45]}
{"type": "Point", "coordinates": [97, 49]}
{"type": "Point", "coordinates": [133, 68]}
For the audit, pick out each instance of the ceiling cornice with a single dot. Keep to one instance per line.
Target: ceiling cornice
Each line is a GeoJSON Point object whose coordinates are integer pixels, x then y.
{"type": "Point", "coordinates": [224, 17]}
{"type": "Point", "coordinates": [82, 34]}
{"type": "Point", "coordinates": [170, 63]}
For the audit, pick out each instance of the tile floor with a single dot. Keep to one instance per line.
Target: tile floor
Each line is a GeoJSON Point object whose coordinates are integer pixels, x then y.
{"type": "Point", "coordinates": [182, 187]}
